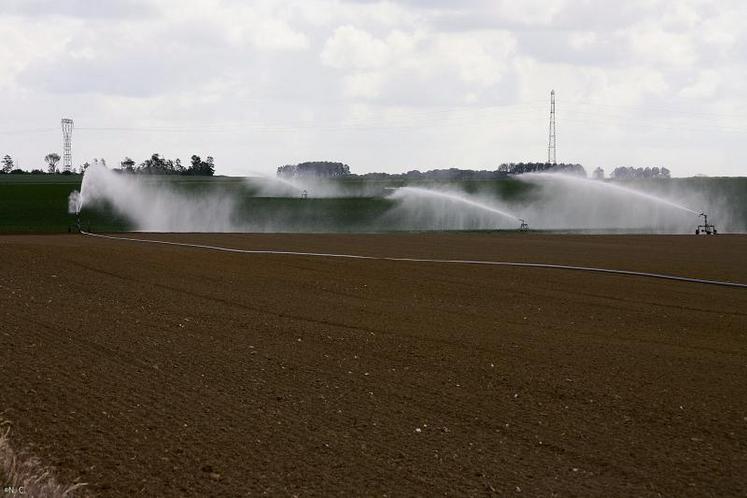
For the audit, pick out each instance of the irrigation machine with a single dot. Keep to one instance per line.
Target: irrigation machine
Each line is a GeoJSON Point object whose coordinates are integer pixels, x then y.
{"type": "Point", "coordinates": [706, 228]}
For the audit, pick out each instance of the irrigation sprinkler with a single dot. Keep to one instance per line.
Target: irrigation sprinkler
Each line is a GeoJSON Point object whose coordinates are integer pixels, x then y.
{"type": "Point", "coordinates": [706, 228]}
{"type": "Point", "coordinates": [75, 226]}
{"type": "Point", "coordinates": [524, 226]}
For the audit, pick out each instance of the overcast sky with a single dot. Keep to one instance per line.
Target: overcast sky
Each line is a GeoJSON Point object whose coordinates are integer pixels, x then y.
{"type": "Point", "coordinates": [382, 86]}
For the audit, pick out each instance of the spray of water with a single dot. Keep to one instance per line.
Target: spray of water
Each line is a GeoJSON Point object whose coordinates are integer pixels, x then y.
{"type": "Point", "coordinates": [265, 185]}
{"type": "Point", "coordinates": [561, 201]}
{"type": "Point", "coordinates": [557, 202]}
{"type": "Point", "coordinates": [273, 186]}
{"type": "Point", "coordinates": [439, 209]}
{"type": "Point", "coordinates": [74, 202]}
{"type": "Point", "coordinates": [154, 207]}
{"type": "Point", "coordinates": [609, 186]}
{"type": "Point", "coordinates": [287, 183]}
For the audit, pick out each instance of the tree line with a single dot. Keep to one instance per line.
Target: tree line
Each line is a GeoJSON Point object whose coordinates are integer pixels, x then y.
{"type": "Point", "coordinates": [435, 175]}
{"type": "Point", "coordinates": [320, 169]}
{"type": "Point", "coordinates": [625, 172]}
{"type": "Point", "coordinates": [504, 170]}
{"type": "Point", "coordinates": [155, 165]}
{"type": "Point", "coordinates": [324, 169]}
{"type": "Point", "coordinates": [521, 168]}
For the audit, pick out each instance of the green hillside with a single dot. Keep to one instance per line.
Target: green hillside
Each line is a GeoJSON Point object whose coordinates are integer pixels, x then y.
{"type": "Point", "coordinates": [39, 203]}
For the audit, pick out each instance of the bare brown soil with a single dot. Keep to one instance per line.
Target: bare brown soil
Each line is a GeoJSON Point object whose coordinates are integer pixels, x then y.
{"type": "Point", "coordinates": [168, 371]}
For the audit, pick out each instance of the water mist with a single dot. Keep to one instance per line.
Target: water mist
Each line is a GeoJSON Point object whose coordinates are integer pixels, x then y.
{"type": "Point", "coordinates": [152, 206]}
{"type": "Point", "coordinates": [426, 209]}
{"type": "Point", "coordinates": [571, 202]}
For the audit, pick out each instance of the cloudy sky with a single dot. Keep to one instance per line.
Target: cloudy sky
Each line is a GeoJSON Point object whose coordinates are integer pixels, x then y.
{"type": "Point", "coordinates": [380, 85]}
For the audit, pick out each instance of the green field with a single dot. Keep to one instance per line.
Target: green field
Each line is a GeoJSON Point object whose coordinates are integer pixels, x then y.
{"type": "Point", "coordinates": [39, 203]}
{"type": "Point", "coordinates": [35, 203]}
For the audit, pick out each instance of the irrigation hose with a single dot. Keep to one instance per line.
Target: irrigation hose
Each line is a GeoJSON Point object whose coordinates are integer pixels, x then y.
{"type": "Point", "coordinates": [426, 260]}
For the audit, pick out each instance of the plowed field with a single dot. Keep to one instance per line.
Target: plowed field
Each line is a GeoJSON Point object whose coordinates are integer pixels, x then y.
{"type": "Point", "coordinates": [157, 370]}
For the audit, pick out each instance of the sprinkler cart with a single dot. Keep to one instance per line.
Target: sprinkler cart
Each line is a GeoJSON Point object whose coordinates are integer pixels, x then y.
{"type": "Point", "coordinates": [705, 228]}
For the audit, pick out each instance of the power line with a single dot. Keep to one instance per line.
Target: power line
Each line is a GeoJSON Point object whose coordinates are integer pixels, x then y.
{"type": "Point", "coordinates": [465, 116]}
{"type": "Point", "coordinates": [27, 131]}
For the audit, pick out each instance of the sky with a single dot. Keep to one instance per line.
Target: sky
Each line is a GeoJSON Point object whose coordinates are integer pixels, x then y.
{"type": "Point", "coordinates": [379, 85]}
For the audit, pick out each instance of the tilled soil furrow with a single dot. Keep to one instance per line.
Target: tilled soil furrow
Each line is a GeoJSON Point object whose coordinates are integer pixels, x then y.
{"type": "Point", "coordinates": [179, 372]}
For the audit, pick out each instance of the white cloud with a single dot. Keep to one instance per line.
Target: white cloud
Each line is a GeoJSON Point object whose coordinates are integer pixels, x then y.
{"type": "Point", "coordinates": [705, 85]}
{"type": "Point", "coordinates": [365, 85]}
{"type": "Point", "coordinates": [653, 45]}
{"type": "Point", "coordinates": [402, 63]}
{"type": "Point", "coordinates": [480, 60]}
{"type": "Point", "coordinates": [431, 81]}
{"type": "Point", "coordinates": [350, 47]}
{"type": "Point", "coordinates": [109, 9]}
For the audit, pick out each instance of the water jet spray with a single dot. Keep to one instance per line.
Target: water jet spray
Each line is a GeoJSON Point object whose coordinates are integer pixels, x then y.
{"type": "Point", "coordinates": [610, 187]}
{"type": "Point", "coordinates": [462, 199]}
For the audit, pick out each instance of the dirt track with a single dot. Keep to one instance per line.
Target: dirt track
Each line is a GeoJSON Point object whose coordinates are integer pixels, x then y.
{"type": "Point", "coordinates": [169, 371]}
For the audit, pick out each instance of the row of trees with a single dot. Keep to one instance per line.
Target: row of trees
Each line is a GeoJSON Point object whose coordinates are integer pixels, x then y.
{"type": "Point", "coordinates": [503, 171]}
{"type": "Point", "coordinates": [624, 172]}
{"type": "Point", "coordinates": [157, 165]}
{"type": "Point", "coordinates": [436, 175]}
{"type": "Point", "coordinates": [320, 169]}
{"type": "Point", "coordinates": [330, 169]}
{"type": "Point", "coordinates": [521, 168]}
{"type": "Point", "coordinates": [7, 166]}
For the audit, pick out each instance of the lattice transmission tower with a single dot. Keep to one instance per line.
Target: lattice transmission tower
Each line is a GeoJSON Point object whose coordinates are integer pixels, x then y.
{"type": "Point", "coordinates": [551, 139]}
{"type": "Point", "coordinates": [67, 139]}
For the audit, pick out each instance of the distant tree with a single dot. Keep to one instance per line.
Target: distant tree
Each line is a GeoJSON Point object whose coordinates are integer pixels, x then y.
{"type": "Point", "coordinates": [178, 168]}
{"type": "Point", "coordinates": [128, 165]}
{"type": "Point", "coordinates": [315, 168]}
{"type": "Point", "coordinates": [195, 165]}
{"type": "Point", "coordinates": [17, 171]}
{"type": "Point", "coordinates": [7, 164]}
{"type": "Point", "coordinates": [623, 172]}
{"type": "Point", "coordinates": [619, 173]}
{"type": "Point", "coordinates": [156, 165]}
{"type": "Point", "coordinates": [198, 167]}
{"type": "Point", "coordinates": [521, 168]}
{"type": "Point", "coordinates": [52, 159]}
{"type": "Point", "coordinates": [208, 168]}
{"type": "Point", "coordinates": [598, 174]}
